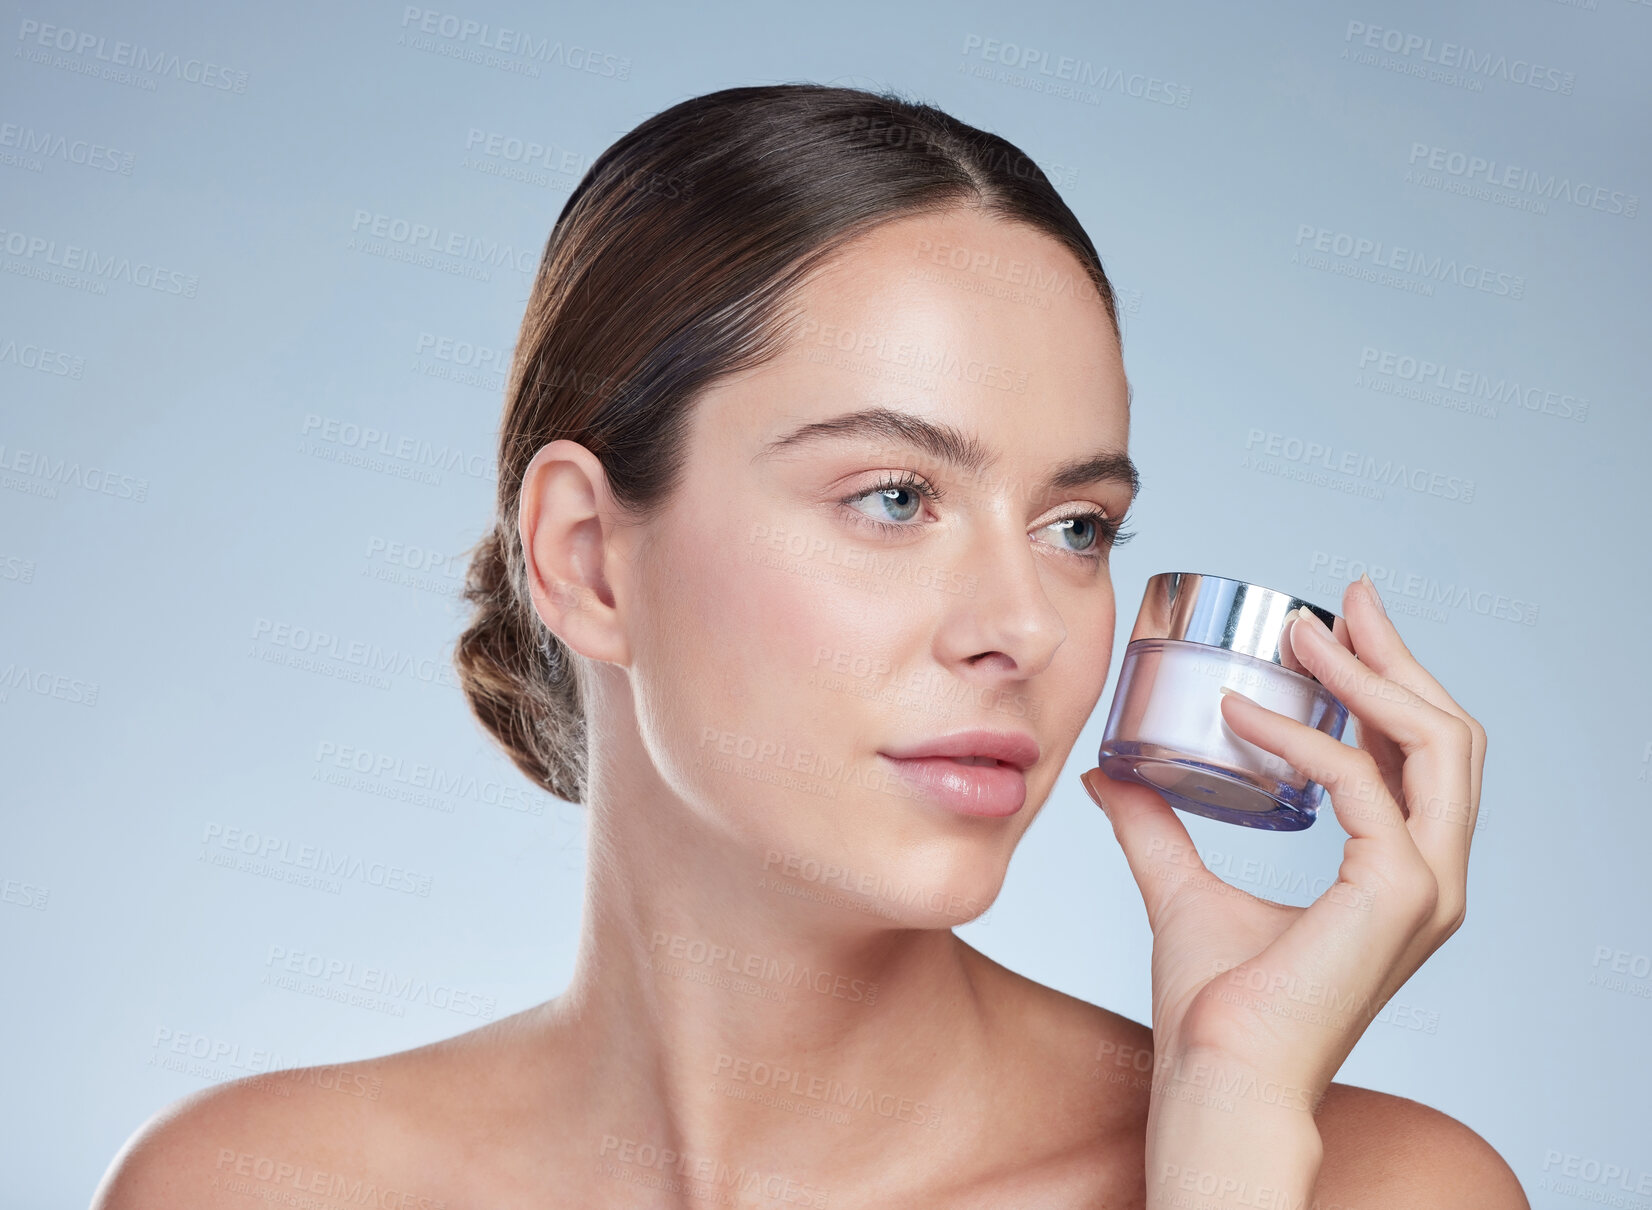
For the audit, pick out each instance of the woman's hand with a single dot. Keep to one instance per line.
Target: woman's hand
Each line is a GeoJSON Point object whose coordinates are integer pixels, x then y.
{"type": "Point", "coordinates": [1267, 1000]}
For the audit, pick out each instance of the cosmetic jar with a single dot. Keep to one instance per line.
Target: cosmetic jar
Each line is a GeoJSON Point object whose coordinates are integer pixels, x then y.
{"type": "Point", "coordinates": [1196, 633]}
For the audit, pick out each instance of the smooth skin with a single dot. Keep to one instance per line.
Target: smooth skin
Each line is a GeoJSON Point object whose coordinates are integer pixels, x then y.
{"type": "Point", "coordinates": [752, 649]}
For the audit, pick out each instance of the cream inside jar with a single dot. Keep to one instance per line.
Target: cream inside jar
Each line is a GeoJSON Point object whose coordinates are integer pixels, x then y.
{"type": "Point", "coordinates": [1195, 634]}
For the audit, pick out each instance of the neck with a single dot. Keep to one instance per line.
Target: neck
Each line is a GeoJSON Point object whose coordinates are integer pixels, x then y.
{"type": "Point", "coordinates": [715, 1018]}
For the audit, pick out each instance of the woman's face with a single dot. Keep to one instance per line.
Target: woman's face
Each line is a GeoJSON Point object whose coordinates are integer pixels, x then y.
{"type": "Point", "coordinates": [807, 607]}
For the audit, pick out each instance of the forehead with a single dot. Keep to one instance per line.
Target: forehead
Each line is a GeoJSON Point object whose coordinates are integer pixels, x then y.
{"type": "Point", "coordinates": [987, 325]}
{"type": "Point", "coordinates": [962, 277]}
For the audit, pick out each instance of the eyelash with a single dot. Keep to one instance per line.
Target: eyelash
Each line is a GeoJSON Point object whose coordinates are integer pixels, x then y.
{"type": "Point", "coordinates": [1110, 533]}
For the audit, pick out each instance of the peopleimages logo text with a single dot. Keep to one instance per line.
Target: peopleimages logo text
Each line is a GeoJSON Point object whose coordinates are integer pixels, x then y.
{"type": "Point", "coordinates": [328, 863]}
{"type": "Point", "coordinates": [1549, 185]}
{"type": "Point", "coordinates": [414, 450]}
{"type": "Point", "coordinates": [131, 54]}
{"type": "Point", "coordinates": [506, 41]}
{"type": "Point", "coordinates": [1502, 389]}
{"type": "Point", "coordinates": [1377, 253]}
{"type": "Point", "coordinates": [52, 146]}
{"type": "Point", "coordinates": [74, 258]}
{"type": "Point", "coordinates": [1079, 72]}
{"type": "Point", "coordinates": [1458, 57]}
{"type": "Point", "coordinates": [1387, 471]}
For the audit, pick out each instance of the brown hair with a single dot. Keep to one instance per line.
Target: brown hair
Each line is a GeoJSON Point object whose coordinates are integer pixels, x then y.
{"type": "Point", "coordinates": [669, 268]}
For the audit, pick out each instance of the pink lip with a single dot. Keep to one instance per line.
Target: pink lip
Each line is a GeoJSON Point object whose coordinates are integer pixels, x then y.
{"type": "Point", "coordinates": [991, 790]}
{"type": "Point", "coordinates": [1011, 747]}
{"type": "Point", "coordinates": [987, 790]}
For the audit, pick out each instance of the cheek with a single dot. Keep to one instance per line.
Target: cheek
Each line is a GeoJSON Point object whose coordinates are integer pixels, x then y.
{"type": "Point", "coordinates": [734, 672]}
{"type": "Point", "coordinates": [770, 616]}
{"type": "Point", "coordinates": [1093, 645]}
{"type": "Point", "coordinates": [1101, 621]}
{"type": "Point", "coordinates": [1092, 676]}
{"type": "Point", "coordinates": [743, 613]}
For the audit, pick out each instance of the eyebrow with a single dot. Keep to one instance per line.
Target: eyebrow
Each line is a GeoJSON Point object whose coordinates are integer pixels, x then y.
{"type": "Point", "coordinates": [952, 446]}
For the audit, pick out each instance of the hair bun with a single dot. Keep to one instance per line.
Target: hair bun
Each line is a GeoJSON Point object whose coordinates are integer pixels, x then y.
{"type": "Point", "coordinates": [520, 684]}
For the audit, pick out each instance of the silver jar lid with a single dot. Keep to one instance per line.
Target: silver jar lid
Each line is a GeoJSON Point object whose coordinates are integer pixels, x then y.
{"type": "Point", "coordinates": [1233, 614]}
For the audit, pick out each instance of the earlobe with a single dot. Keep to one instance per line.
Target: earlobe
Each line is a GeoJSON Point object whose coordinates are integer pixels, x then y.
{"type": "Point", "coordinates": [565, 522]}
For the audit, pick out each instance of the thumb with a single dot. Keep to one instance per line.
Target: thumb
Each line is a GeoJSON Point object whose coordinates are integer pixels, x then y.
{"type": "Point", "coordinates": [1161, 854]}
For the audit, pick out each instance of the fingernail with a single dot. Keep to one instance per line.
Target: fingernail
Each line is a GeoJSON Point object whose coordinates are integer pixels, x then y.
{"type": "Point", "coordinates": [1313, 620]}
{"type": "Point", "coordinates": [1372, 589]}
{"type": "Point", "coordinates": [1095, 797]}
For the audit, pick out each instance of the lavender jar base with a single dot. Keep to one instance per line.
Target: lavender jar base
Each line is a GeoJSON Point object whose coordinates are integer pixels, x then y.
{"type": "Point", "coordinates": [1220, 792]}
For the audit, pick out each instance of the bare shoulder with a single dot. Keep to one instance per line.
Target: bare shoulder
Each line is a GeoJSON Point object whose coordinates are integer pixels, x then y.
{"type": "Point", "coordinates": [213, 1147]}
{"type": "Point", "coordinates": [1387, 1151]}
{"type": "Point", "coordinates": [352, 1131]}
{"type": "Point", "coordinates": [1381, 1152]}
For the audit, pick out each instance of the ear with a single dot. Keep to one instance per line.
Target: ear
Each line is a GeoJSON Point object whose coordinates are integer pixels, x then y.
{"type": "Point", "coordinates": [570, 541]}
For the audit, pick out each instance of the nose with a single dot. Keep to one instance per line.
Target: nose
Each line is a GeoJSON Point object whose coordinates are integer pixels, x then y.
{"type": "Point", "coordinates": [1002, 622]}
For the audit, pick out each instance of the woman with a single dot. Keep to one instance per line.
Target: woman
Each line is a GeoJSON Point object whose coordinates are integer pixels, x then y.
{"type": "Point", "coordinates": [813, 455]}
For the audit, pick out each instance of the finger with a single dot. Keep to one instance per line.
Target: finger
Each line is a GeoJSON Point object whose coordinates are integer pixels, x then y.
{"type": "Point", "coordinates": [1350, 776]}
{"type": "Point", "coordinates": [1381, 648]}
{"type": "Point", "coordinates": [1388, 856]}
{"type": "Point", "coordinates": [1162, 857]}
{"type": "Point", "coordinates": [1437, 789]}
{"type": "Point", "coordinates": [1403, 715]}
{"type": "Point", "coordinates": [1386, 892]}
{"type": "Point", "coordinates": [1390, 760]}
{"type": "Point", "coordinates": [1436, 744]}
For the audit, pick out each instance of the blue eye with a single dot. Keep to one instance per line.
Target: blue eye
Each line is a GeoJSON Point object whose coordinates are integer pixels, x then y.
{"type": "Point", "coordinates": [905, 499]}
{"type": "Point", "coordinates": [1105, 533]}
{"type": "Point", "coordinates": [1067, 526]}
{"type": "Point", "coordinates": [905, 491]}
{"type": "Point", "coordinates": [898, 498]}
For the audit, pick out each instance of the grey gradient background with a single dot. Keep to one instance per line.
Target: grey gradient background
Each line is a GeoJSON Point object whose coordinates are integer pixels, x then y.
{"type": "Point", "coordinates": [151, 692]}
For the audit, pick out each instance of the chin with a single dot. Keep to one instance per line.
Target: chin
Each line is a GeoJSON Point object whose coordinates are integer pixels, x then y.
{"type": "Point", "coordinates": [898, 878]}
